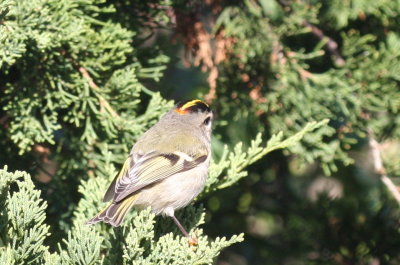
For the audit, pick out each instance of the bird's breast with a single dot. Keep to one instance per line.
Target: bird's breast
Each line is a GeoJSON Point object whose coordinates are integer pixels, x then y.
{"type": "Point", "coordinates": [176, 191]}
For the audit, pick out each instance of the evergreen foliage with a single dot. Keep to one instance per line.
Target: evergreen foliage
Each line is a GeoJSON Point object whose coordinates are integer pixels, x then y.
{"type": "Point", "coordinates": [81, 80]}
{"type": "Point", "coordinates": [24, 230]}
{"type": "Point", "coordinates": [299, 83]}
{"type": "Point", "coordinates": [296, 61]}
{"type": "Point", "coordinates": [71, 93]}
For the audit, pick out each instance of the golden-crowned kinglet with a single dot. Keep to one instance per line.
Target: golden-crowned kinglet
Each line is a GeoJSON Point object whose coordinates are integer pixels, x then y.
{"type": "Point", "coordinates": [166, 168]}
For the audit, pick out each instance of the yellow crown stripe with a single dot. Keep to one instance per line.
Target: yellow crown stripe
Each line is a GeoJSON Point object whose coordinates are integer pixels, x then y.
{"type": "Point", "coordinates": [192, 103]}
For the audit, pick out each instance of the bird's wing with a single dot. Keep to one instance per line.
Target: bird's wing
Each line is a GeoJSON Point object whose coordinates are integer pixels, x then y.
{"type": "Point", "coordinates": [111, 189]}
{"type": "Point", "coordinates": [140, 171]}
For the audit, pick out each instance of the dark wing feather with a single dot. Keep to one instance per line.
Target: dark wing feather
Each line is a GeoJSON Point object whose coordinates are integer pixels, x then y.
{"type": "Point", "coordinates": [152, 169]}
{"type": "Point", "coordinates": [146, 166]}
{"type": "Point", "coordinates": [111, 190]}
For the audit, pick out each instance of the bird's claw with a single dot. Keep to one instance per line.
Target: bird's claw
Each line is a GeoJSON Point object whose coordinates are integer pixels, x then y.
{"type": "Point", "coordinates": [193, 242]}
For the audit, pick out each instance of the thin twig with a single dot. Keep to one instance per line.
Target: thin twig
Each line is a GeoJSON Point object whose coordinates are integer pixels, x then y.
{"type": "Point", "coordinates": [380, 170]}
{"type": "Point", "coordinates": [86, 75]}
{"type": "Point", "coordinates": [330, 45]}
{"type": "Point", "coordinates": [103, 102]}
{"type": "Point", "coordinates": [391, 187]}
{"type": "Point", "coordinates": [45, 171]}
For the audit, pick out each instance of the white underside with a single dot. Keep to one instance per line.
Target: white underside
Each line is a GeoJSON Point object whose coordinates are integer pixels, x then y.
{"type": "Point", "coordinates": [174, 192]}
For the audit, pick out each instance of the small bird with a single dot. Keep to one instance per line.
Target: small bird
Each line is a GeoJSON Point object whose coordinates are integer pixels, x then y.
{"type": "Point", "coordinates": [166, 168]}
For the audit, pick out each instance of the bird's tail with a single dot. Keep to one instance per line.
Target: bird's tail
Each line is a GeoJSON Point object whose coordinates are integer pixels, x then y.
{"type": "Point", "coordinates": [115, 212]}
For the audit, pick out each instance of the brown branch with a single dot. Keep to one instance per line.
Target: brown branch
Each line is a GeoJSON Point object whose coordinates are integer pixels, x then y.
{"type": "Point", "coordinates": [380, 170]}
{"type": "Point", "coordinates": [198, 45]}
{"type": "Point", "coordinates": [330, 45]}
{"type": "Point", "coordinates": [3, 120]}
{"type": "Point", "coordinates": [103, 102]}
{"type": "Point", "coordinates": [212, 81]}
{"type": "Point", "coordinates": [86, 75]}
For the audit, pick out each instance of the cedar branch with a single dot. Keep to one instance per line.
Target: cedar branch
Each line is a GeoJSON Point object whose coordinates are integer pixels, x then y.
{"type": "Point", "coordinates": [330, 45]}
{"type": "Point", "coordinates": [104, 104]}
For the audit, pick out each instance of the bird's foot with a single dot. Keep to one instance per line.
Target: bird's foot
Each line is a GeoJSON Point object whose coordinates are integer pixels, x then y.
{"type": "Point", "coordinates": [193, 242]}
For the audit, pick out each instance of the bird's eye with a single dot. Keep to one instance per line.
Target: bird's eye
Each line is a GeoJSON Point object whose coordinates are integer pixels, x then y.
{"type": "Point", "coordinates": [207, 121]}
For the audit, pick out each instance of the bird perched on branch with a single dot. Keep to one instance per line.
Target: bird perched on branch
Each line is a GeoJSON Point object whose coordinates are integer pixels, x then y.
{"type": "Point", "coordinates": [166, 168]}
